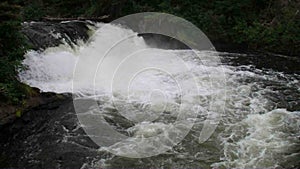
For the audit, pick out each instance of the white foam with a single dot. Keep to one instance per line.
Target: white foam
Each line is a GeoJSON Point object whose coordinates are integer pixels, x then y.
{"type": "Point", "coordinates": [267, 137]}
{"type": "Point", "coordinates": [250, 139]}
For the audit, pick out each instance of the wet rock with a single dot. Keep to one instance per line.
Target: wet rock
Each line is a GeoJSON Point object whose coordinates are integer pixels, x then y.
{"type": "Point", "coordinates": [41, 35]}
{"type": "Point", "coordinates": [8, 111]}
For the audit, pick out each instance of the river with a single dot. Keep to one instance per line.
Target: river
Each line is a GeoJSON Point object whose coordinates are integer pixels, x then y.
{"type": "Point", "coordinates": [256, 99]}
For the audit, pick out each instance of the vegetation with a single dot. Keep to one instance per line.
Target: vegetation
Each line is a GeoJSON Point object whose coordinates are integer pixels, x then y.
{"type": "Point", "coordinates": [268, 25]}
{"type": "Point", "coordinates": [12, 49]}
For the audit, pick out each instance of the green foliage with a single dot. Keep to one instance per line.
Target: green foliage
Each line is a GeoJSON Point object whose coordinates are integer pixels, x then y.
{"type": "Point", "coordinates": [271, 25]}
{"type": "Point", "coordinates": [12, 49]}
{"type": "Point", "coordinates": [33, 11]}
{"type": "Point", "coordinates": [36, 9]}
{"type": "Point", "coordinates": [98, 7]}
{"type": "Point", "coordinates": [18, 113]}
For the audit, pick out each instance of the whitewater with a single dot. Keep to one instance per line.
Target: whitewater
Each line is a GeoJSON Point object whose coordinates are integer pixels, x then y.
{"type": "Point", "coordinates": [149, 85]}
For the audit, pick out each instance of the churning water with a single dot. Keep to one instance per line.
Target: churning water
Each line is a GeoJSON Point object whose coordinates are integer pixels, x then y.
{"type": "Point", "coordinates": [255, 127]}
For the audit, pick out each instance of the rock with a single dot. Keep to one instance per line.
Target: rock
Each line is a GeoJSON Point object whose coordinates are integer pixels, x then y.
{"type": "Point", "coordinates": [41, 35]}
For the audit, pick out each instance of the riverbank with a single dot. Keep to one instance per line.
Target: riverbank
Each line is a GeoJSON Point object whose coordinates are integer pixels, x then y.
{"type": "Point", "coordinates": [11, 112]}
{"type": "Point", "coordinates": [39, 36]}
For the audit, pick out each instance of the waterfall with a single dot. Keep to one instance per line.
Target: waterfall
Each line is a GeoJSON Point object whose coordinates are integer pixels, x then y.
{"type": "Point", "coordinates": [123, 74]}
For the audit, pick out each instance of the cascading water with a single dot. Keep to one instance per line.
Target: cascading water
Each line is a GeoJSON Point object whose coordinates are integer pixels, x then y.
{"type": "Point", "coordinates": [252, 131]}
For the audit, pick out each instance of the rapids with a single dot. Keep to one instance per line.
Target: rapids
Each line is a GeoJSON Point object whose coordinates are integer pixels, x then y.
{"type": "Point", "coordinates": [259, 122]}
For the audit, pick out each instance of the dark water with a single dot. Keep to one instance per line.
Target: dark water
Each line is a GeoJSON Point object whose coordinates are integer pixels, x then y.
{"type": "Point", "coordinates": [50, 136]}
